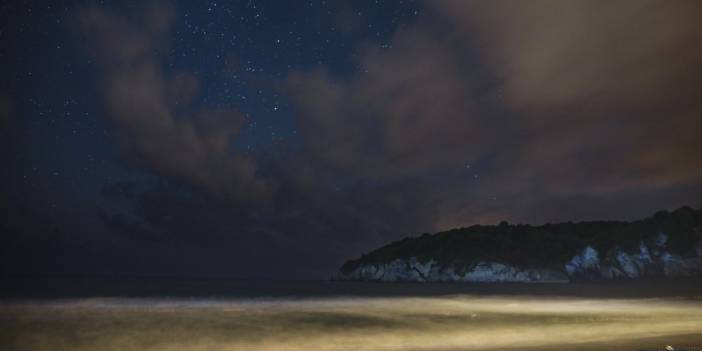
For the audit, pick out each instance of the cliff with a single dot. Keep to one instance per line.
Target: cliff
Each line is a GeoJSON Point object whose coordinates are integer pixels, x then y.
{"type": "Point", "coordinates": [667, 244]}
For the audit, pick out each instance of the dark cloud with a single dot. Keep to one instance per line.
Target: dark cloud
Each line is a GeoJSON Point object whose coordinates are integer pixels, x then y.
{"type": "Point", "coordinates": [157, 126]}
{"type": "Point", "coordinates": [408, 110]}
{"type": "Point", "coordinates": [567, 101]}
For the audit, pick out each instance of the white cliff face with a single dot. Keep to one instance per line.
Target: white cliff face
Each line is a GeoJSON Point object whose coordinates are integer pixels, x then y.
{"type": "Point", "coordinates": [587, 260]}
{"type": "Point", "coordinates": [648, 260]}
{"type": "Point", "coordinates": [494, 272]}
{"type": "Point", "coordinates": [499, 272]}
{"type": "Point", "coordinates": [644, 254]}
{"type": "Point", "coordinates": [397, 270]}
{"type": "Point", "coordinates": [413, 270]}
{"type": "Point", "coordinates": [631, 267]}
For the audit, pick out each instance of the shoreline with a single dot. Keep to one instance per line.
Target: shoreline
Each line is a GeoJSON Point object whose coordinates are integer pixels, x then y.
{"type": "Point", "coordinates": [58, 288]}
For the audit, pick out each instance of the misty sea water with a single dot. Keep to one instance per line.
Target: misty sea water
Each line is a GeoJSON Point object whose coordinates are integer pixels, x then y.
{"type": "Point", "coordinates": [177, 314]}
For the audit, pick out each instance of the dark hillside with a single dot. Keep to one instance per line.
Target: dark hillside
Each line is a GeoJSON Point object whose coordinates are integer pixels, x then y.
{"type": "Point", "coordinates": [547, 245]}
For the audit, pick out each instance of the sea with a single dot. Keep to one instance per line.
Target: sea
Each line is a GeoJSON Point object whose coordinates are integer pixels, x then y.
{"type": "Point", "coordinates": [165, 313]}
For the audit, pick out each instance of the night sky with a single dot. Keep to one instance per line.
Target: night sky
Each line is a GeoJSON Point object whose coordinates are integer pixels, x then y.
{"type": "Point", "coordinates": [277, 139]}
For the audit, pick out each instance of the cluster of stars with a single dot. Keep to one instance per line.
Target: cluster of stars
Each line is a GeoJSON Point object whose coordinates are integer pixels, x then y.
{"type": "Point", "coordinates": [242, 52]}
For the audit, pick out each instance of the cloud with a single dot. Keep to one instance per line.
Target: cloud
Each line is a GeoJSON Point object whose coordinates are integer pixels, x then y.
{"type": "Point", "coordinates": [157, 125]}
{"type": "Point", "coordinates": [408, 110]}
{"type": "Point", "coordinates": [552, 53]}
{"type": "Point", "coordinates": [304, 218]}
{"type": "Point", "coordinates": [605, 90]}
{"type": "Point", "coordinates": [551, 102]}
{"type": "Point", "coordinates": [479, 112]}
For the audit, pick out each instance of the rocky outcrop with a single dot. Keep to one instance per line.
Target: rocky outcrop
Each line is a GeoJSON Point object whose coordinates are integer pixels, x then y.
{"type": "Point", "coordinates": [413, 270]}
{"type": "Point", "coordinates": [647, 261]}
{"type": "Point", "coordinates": [667, 244]}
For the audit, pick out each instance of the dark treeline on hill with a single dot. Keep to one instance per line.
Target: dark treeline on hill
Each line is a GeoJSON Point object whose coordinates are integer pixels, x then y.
{"type": "Point", "coordinates": [547, 245]}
